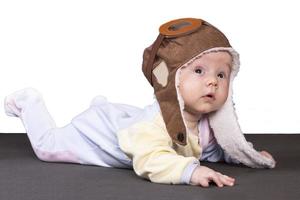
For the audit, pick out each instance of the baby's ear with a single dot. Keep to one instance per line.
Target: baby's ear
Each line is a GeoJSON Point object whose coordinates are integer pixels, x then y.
{"type": "Point", "coordinates": [161, 73]}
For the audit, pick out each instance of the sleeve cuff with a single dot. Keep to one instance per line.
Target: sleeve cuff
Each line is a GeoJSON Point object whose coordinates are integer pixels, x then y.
{"type": "Point", "coordinates": [188, 171]}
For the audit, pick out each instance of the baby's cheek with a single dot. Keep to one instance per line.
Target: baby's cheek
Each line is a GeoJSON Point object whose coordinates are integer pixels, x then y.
{"type": "Point", "coordinates": [186, 89]}
{"type": "Point", "coordinates": [224, 90]}
{"type": "Point", "coordinates": [222, 97]}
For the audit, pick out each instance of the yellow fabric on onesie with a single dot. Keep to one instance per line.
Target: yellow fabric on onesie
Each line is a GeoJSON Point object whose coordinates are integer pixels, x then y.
{"type": "Point", "coordinates": [154, 155]}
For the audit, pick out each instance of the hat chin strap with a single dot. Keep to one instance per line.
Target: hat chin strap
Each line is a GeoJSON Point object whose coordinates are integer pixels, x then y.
{"type": "Point", "coordinates": [227, 131]}
{"type": "Point", "coordinates": [229, 136]}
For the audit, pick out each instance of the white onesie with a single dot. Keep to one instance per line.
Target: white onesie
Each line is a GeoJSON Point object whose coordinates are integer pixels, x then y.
{"type": "Point", "coordinates": [91, 137]}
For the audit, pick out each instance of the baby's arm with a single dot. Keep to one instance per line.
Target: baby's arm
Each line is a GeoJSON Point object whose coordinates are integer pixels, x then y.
{"type": "Point", "coordinates": [154, 158]}
{"type": "Point", "coordinates": [150, 148]}
{"type": "Point", "coordinates": [214, 153]}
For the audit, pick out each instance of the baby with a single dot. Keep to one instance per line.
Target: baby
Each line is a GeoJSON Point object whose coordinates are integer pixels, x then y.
{"type": "Point", "coordinates": [191, 66]}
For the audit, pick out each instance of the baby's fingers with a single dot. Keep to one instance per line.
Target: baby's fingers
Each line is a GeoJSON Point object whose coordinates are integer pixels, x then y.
{"type": "Point", "coordinates": [215, 177]}
{"type": "Point", "coordinates": [226, 180]}
{"type": "Point", "coordinates": [266, 154]}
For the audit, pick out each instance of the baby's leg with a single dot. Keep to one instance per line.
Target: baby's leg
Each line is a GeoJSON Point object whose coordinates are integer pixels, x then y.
{"type": "Point", "coordinates": [49, 143]}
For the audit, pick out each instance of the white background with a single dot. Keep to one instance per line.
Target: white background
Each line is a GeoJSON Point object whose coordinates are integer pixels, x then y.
{"type": "Point", "coordinates": [74, 50]}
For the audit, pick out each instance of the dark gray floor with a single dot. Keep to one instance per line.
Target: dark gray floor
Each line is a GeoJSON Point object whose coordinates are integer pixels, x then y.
{"type": "Point", "coordinates": [23, 176]}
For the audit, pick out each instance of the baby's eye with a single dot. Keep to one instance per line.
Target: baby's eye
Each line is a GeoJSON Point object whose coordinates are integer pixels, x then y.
{"type": "Point", "coordinates": [199, 71]}
{"type": "Point", "coordinates": [222, 75]}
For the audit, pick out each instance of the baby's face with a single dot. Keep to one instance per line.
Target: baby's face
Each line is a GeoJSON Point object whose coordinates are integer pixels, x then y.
{"type": "Point", "coordinates": [204, 83]}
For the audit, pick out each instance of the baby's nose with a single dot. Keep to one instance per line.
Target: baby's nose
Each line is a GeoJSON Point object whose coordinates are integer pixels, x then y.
{"type": "Point", "coordinates": [212, 81]}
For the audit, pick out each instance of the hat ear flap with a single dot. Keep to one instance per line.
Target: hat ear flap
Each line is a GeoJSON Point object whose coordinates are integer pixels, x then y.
{"type": "Point", "coordinates": [161, 73]}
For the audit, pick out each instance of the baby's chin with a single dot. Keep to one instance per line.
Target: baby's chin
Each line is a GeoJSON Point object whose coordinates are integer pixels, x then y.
{"type": "Point", "coordinates": [205, 109]}
{"type": "Point", "coordinates": [198, 111]}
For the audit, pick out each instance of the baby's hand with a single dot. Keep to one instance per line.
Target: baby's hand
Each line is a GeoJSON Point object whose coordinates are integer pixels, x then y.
{"type": "Point", "coordinates": [266, 154]}
{"type": "Point", "coordinates": [203, 175]}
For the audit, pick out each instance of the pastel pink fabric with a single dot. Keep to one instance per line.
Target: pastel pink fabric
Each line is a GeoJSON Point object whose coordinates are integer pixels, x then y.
{"type": "Point", "coordinates": [63, 156]}
{"type": "Point", "coordinates": [206, 136]}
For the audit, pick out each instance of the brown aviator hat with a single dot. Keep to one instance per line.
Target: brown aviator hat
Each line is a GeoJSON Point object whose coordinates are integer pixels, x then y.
{"type": "Point", "coordinates": [180, 42]}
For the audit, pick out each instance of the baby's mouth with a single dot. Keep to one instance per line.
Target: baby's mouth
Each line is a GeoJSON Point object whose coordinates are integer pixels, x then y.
{"type": "Point", "coordinates": [209, 96]}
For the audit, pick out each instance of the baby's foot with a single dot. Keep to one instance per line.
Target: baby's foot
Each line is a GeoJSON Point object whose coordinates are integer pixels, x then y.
{"type": "Point", "coordinates": [15, 102]}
